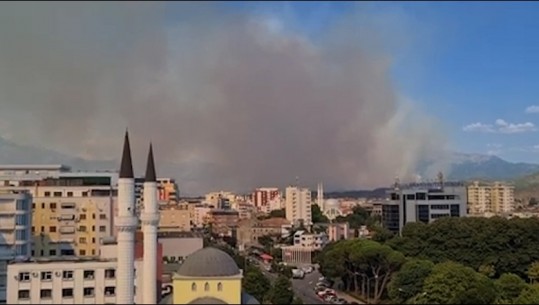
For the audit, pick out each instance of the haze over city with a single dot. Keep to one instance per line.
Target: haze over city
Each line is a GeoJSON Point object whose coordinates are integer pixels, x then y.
{"type": "Point", "coordinates": [352, 94]}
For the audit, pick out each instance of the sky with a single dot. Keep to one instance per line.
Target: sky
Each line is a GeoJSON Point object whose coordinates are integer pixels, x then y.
{"type": "Point", "coordinates": [472, 65]}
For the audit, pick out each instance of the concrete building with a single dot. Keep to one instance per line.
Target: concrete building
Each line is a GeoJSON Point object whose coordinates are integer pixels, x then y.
{"type": "Point", "coordinates": [168, 190]}
{"type": "Point", "coordinates": [298, 205]}
{"type": "Point", "coordinates": [490, 198]}
{"type": "Point", "coordinates": [250, 230]}
{"type": "Point", "coordinates": [223, 222]}
{"type": "Point", "coordinates": [201, 215]}
{"type": "Point", "coordinates": [209, 276]}
{"type": "Point", "coordinates": [71, 211]}
{"type": "Point", "coordinates": [267, 199]}
{"type": "Point", "coordinates": [15, 235]}
{"type": "Point", "coordinates": [218, 199]}
{"type": "Point", "coordinates": [177, 246]}
{"type": "Point", "coordinates": [310, 240]}
{"type": "Point", "coordinates": [423, 202]}
{"type": "Point", "coordinates": [339, 231]}
{"type": "Point", "coordinates": [175, 217]}
{"type": "Point", "coordinates": [300, 253]}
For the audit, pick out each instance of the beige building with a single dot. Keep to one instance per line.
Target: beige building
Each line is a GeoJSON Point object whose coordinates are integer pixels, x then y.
{"type": "Point", "coordinates": [223, 222]}
{"type": "Point", "coordinates": [298, 205]}
{"type": "Point", "coordinates": [338, 231]}
{"type": "Point", "coordinates": [251, 229]}
{"type": "Point", "coordinates": [175, 217]}
{"type": "Point", "coordinates": [201, 215]}
{"type": "Point", "coordinates": [71, 211]}
{"type": "Point", "coordinates": [493, 198]}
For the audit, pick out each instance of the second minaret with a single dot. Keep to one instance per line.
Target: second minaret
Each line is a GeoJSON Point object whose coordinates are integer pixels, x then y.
{"type": "Point", "coordinates": [150, 221]}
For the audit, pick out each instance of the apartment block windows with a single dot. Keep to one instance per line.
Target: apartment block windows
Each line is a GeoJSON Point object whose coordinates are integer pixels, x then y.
{"type": "Point", "coordinates": [110, 273]}
{"type": "Point", "coordinates": [89, 274]}
{"type": "Point", "coordinates": [24, 294]}
{"type": "Point", "coordinates": [45, 293]}
{"type": "Point", "coordinates": [46, 275]}
{"type": "Point", "coordinates": [88, 292]}
{"type": "Point", "coordinates": [67, 275]}
{"type": "Point", "coordinates": [67, 292]}
{"type": "Point", "coordinates": [24, 276]}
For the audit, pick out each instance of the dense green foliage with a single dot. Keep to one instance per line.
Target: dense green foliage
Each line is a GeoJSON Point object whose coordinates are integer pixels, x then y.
{"type": "Point", "coordinates": [450, 261]}
{"type": "Point", "coordinates": [255, 283]}
{"type": "Point", "coordinates": [509, 246]}
{"type": "Point", "coordinates": [281, 291]}
{"type": "Point", "coordinates": [317, 215]}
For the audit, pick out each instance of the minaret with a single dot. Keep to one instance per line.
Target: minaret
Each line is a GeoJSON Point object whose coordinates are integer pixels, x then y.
{"type": "Point", "coordinates": [320, 196]}
{"type": "Point", "coordinates": [150, 221]}
{"type": "Point", "coordinates": [126, 222]}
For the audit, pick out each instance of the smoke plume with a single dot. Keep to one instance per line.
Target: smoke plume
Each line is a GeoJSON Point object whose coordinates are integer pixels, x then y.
{"type": "Point", "coordinates": [233, 101]}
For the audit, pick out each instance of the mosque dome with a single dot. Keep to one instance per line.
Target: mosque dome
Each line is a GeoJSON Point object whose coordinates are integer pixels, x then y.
{"type": "Point", "coordinates": [332, 204]}
{"type": "Point", "coordinates": [209, 262]}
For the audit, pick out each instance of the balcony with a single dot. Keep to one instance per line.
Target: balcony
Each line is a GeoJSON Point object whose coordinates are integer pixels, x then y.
{"type": "Point", "coordinates": [7, 224]}
{"type": "Point", "coordinates": [67, 230]}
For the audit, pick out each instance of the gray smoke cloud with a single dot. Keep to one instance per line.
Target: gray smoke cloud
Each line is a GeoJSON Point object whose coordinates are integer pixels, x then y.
{"type": "Point", "coordinates": [231, 100]}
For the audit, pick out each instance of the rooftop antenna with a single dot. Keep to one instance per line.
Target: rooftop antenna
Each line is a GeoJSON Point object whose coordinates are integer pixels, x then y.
{"type": "Point", "coordinates": [441, 179]}
{"type": "Point", "coordinates": [297, 181]}
{"type": "Point", "coordinates": [397, 183]}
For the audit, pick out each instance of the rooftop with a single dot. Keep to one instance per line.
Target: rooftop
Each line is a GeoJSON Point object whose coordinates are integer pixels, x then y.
{"type": "Point", "coordinates": [177, 234]}
{"type": "Point", "coordinates": [61, 259]}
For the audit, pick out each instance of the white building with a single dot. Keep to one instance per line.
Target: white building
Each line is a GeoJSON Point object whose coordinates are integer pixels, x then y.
{"type": "Point", "coordinates": [298, 205]}
{"type": "Point", "coordinates": [64, 280]}
{"type": "Point", "coordinates": [424, 202]}
{"type": "Point", "coordinates": [310, 240]}
{"type": "Point", "coordinates": [15, 238]}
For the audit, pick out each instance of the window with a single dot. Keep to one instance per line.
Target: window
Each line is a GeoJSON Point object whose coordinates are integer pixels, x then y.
{"type": "Point", "coordinates": [102, 216]}
{"type": "Point", "coordinates": [102, 228]}
{"type": "Point", "coordinates": [84, 194]}
{"type": "Point", "coordinates": [69, 194]}
{"type": "Point", "coordinates": [194, 287]}
{"type": "Point", "coordinates": [46, 275]}
{"type": "Point", "coordinates": [42, 229]}
{"type": "Point", "coordinates": [82, 228]}
{"type": "Point", "coordinates": [93, 240]}
{"type": "Point", "coordinates": [42, 205]}
{"type": "Point", "coordinates": [82, 252]}
{"type": "Point", "coordinates": [93, 251]}
{"type": "Point", "coordinates": [110, 291]}
{"type": "Point", "coordinates": [82, 217]}
{"type": "Point", "coordinates": [110, 273]}
{"type": "Point", "coordinates": [93, 215]}
{"type": "Point", "coordinates": [219, 287]}
{"type": "Point", "coordinates": [24, 294]}
{"type": "Point", "coordinates": [93, 228]}
{"type": "Point", "coordinates": [57, 194]}
{"type": "Point", "coordinates": [88, 274]}
{"type": "Point", "coordinates": [33, 229]}
{"type": "Point", "coordinates": [67, 293]}
{"type": "Point", "coordinates": [53, 205]}
{"type": "Point", "coordinates": [45, 293]}
{"type": "Point", "coordinates": [67, 275]}
{"type": "Point", "coordinates": [33, 206]}
{"type": "Point", "coordinates": [24, 276]}
{"type": "Point", "coordinates": [47, 194]}
{"type": "Point", "coordinates": [52, 229]}
{"type": "Point", "coordinates": [82, 240]}
{"type": "Point", "coordinates": [88, 292]}
{"type": "Point", "coordinates": [206, 287]}
{"type": "Point", "coordinates": [52, 252]}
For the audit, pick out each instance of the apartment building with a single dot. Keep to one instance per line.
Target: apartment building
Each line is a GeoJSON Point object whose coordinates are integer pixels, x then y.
{"type": "Point", "coordinates": [339, 231]}
{"type": "Point", "coordinates": [298, 205]}
{"type": "Point", "coordinates": [202, 214]}
{"type": "Point", "coordinates": [222, 199]}
{"type": "Point", "coordinates": [490, 198]}
{"type": "Point", "coordinates": [175, 217]}
{"type": "Point", "coordinates": [62, 280]}
{"type": "Point", "coordinates": [223, 222]}
{"type": "Point", "coordinates": [71, 211]}
{"type": "Point", "coordinates": [424, 202]}
{"type": "Point", "coordinates": [250, 230]}
{"type": "Point", "coordinates": [15, 235]}
{"type": "Point", "coordinates": [168, 190]}
{"type": "Point", "coordinates": [267, 199]}
{"type": "Point", "coordinates": [310, 240]}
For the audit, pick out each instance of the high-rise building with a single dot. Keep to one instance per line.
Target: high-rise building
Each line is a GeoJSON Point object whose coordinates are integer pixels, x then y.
{"type": "Point", "coordinates": [424, 202]}
{"type": "Point", "coordinates": [298, 205]}
{"type": "Point", "coordinates": [71, 211]}
{"type": "Point", "coordinates": [265, 198]}
{"type": "Point", "coordinates": [15, 235]}
{"type": "Point", "coordinates": [490, 198]}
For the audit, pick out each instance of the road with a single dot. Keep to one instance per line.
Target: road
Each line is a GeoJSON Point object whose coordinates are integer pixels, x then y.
{"type": "Point", "coordinates": [303, 288]}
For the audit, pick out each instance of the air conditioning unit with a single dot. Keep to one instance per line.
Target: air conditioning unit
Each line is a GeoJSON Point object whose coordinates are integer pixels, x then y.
{"type": "Point", "coordinates": [58, 274]}
{"type": "Point", "coordinates": [16, 277]}
{"type": "Point", "coordinates": [35, 274]}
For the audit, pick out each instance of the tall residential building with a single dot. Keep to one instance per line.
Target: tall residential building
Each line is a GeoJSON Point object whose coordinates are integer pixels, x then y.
{"type": "Point", "coordinates": [71, 211]}
{"type": "Point", "coordinates": [298, 205]}
{"type": "Point", "coordinates": [266, 198]}
{"type": "Point", "coordinates": [492, 198]}
{"type": "Point", "coordinates": [168, 190]}
{"type": "Point", "coordinates": [15, 238]}
{"type": "Point", "coordinates": [175, 217]}
{"type": "Point", "coordinates": [424, 202]}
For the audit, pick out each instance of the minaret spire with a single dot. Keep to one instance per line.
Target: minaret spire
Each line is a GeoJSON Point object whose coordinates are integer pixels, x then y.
{"type": "Point", "coordinates": [126, 166]}
{"type": "Point", "coordinates": [150, 167]}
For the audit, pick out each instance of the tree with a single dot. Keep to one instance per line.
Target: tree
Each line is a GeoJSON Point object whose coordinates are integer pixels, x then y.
{"type": "Point", "coordinates": [297, 301]}
{"type": "Point", "coordinates": [255, 283]}
{"type": "Point", "coordinates": [533, 272]}
{"type": "Point", "coordinates": [281, 292]}
{"type": "Point", "coordinates": [266, 241]}
{"type": "Point", "coordinates": [529, 295]}
{"type": "Point", "coordinates": [509, 287]}
{"type": "Point", "coordinates": [408, 281]}
{"type": "Point", "coordinates": [453, 283]}
{"type": "Point", "coordinates": [278, 213]}
{"type": "Point", "coordinates": [317, 215]}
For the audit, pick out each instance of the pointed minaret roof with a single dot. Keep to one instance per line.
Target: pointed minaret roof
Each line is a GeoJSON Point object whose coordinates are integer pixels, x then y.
{"type": "Point", "coordinates": [126, 166]}
{"type": "Point", "coordinates": [150, 167]}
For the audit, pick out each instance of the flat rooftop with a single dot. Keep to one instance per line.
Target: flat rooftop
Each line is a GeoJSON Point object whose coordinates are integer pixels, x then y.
{"type": "Point", "coordinates": [61, 259]}
{"type": "Point", "coordinates": [178, 234]}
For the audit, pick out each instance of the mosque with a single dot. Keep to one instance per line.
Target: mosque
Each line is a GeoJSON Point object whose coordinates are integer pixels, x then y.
{"type": "Point", "coordinates": [208, 276]}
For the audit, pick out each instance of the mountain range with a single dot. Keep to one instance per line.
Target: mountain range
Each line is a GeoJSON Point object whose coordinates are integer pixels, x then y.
{"type": "Point", "coordinates": [462, 166]}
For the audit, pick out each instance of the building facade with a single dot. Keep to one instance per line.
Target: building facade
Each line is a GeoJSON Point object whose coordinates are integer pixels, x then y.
{"type": "Point", "coordinates": [423, 202]}
{"type": "Point", "coordinates": [266, 199]}
{"type": "Point", "coordinates": [71, 211]}
{"type": "Point", "coordinates": [338, 231]}
{"type": "Point", "coordinates": [298, 205]}
{"type": "Point", "coordinates": [175, 217]}
{"type": "Point", "coordinates": [490, 198]}
{"type": "Point", "coordinates": [15, 232]}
